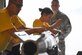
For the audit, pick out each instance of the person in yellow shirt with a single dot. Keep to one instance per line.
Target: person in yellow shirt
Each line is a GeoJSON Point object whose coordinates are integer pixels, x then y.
{"type": "Point", "coordinates": [46, 15]}
{"type": "Point", "coordinates": [9, 18]}
{"type": "Point", "coordinates": [10, 23]}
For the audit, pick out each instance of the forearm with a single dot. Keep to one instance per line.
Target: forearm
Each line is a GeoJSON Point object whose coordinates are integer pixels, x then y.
{"type": "Point", "coordinates": [35, 30]}
{"type": "Point", "coordinates": [53, 30]}
{"type": "Point", "coordinates": [57, 23]}
{"type": "Point", "coordinates": [66, 31]}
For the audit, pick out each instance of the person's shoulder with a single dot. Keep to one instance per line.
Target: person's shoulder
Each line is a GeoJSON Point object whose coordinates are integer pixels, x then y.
{"type": "Point", "coordinates": [37, 23]}
{"type": "Point", "coordinates": [37, 20]}
{"type": "Point", "coordinates": [14, 18]}
{"type": "Point", "coordinates": [62, 13]}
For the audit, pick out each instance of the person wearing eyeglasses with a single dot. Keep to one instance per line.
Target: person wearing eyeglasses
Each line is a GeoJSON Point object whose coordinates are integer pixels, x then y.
{"type": "Point", "coordinates": [6, 14]}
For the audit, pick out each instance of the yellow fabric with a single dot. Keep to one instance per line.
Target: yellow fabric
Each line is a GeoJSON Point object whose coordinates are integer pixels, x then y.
{"type": "Point", "coordinates": [6, 24]}
{"type": "Point", "coordinates": [39, 23]}
{"type": "Point", "coordinates": [17, 23]}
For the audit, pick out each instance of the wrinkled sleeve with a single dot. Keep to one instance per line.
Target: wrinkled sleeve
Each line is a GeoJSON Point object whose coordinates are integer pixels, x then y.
{"type": "Point", "coordinates": [65, 27]}
{"type": "Point", "coordinates": [17, 22]}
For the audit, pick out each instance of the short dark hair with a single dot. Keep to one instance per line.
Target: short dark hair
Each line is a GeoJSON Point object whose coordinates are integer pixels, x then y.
{"type": "Point", "coordinates": [56, 1]}
{"type": "Point", "coordinates": [29, 47]}
{"type": "Point", "coordinates": [12, 1]}
{"type": "Point", "coordinates": [46, 11]}
{"type": "Point", "coordinates": [16, 1]}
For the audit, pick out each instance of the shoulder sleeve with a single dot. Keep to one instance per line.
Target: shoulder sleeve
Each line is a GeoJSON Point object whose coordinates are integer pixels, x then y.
{"type": "Point", "coordinates": [17, 22]}
{"type": "Point", "coordinates": [37, 23]}
{"type": "Point", "coordinates": [5, 23]}
{"type": "Point", "coordinates": [65, 26]}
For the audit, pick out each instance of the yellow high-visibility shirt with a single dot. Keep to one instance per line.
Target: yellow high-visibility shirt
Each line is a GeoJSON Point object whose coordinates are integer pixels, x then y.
{"type": "Point", "coordinates": [6, 24]}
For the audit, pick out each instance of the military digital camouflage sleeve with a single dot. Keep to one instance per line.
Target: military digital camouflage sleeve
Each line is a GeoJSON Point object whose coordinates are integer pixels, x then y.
{"type": "Point", "coordinates": [65, 27]}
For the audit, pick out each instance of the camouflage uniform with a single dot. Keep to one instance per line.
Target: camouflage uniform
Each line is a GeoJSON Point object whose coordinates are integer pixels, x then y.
{"type": "Point", "coordinates": [65, 28]}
